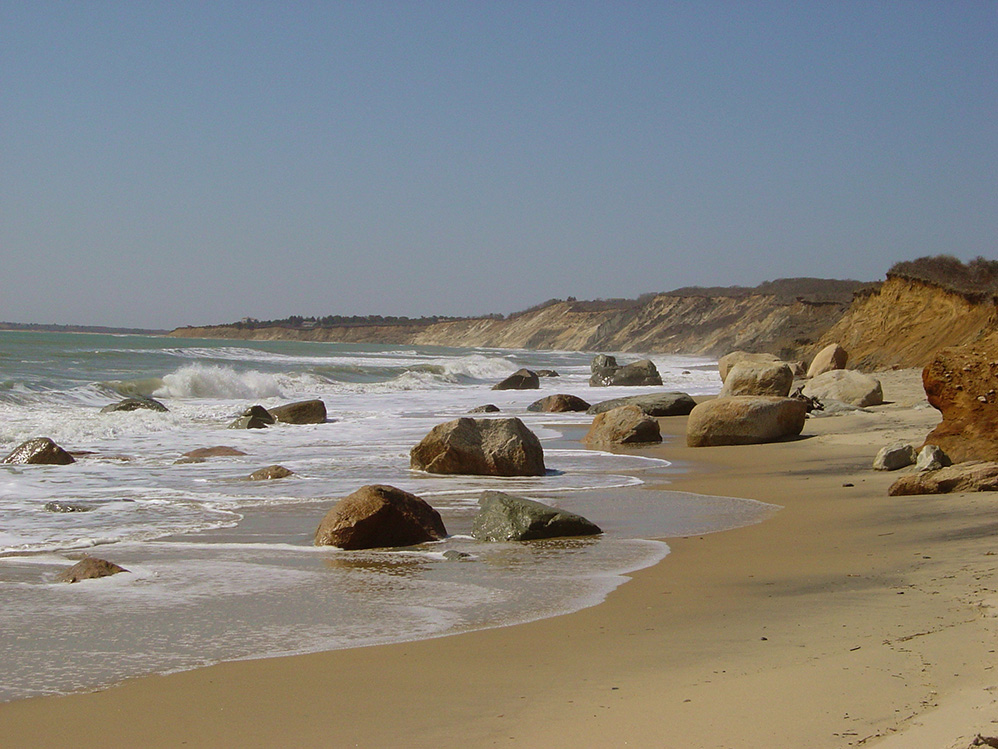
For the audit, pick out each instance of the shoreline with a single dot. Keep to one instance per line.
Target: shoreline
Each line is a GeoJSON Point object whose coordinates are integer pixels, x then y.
{"type": "Point", "coordinates": [844, 619]}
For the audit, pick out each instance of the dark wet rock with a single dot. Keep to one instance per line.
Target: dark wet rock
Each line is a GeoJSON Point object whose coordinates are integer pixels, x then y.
{"type": "Point", "coordinates": [38, 451]}
{"type": "Point", "coordinates": [270, 473]}
{"type": "Point", "coordinates": [487, 447]}
{"type": "Point", "coordinates": [379, 516]}
{"type": "Point", "coordinates": [654, 404]}
{"type": "Point", "coordinates": [488, 408]}
{"type": "Point", "coordinates": [521, 379]}
{"type": "Point", "coordinates": [69, 507]}
{"type": "Point", "coordinates": [972, 476]}
{"type": "Point", "coordinates": [135, 404]}
{"type": "Point", "coordinates": [625, 425]}
{"type": "Point", "coordinates": [559, 403]}
{"type": "Point", "coordinates": [254, 417]}
{"type": "Point", "coordinates": [201, 454]}
{"type": "Point", "coordinates": [89, 568]}
{"type": "Point", "coordinates": [606, 372]}
{"type": "Point", "coordinates": [301, 412]}
{"type": "Point", "coordinates": [505, 517]}
{"type": "Point", "coordinates": [745, 420]}
{"type": "Point", "coordinates": [453, 555]}
{"type": "Point", "coordinates": [546, 373]}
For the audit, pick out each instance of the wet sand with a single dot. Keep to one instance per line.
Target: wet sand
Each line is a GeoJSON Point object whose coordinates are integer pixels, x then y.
{"type": "Point", "coordinates": [848, 618]}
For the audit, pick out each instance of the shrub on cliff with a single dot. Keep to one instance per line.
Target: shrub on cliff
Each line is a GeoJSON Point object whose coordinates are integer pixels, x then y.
{"type": "Point", "coordinates": [975, 280]}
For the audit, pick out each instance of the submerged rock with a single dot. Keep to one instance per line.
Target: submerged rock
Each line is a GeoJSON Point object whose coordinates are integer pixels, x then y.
{"type": "Point", "coordinates": [505, 517]}
{"type": "Point", "coordinates": [270, 473]}
{"type": "Point", "coordinates": [379, 516]}
{"type": "Point", "coordinates": [38, 451]}
{"type": "Point", "coordinates": [89, 568]}
{"type": "Point", "coordinates": [203, 453]}
{"type": "Point", "coordinates": [488, 447]}
{"type": "Point", "coordinates": [135, 403]}
{"type": "Point", "coordinates": [69, 507]}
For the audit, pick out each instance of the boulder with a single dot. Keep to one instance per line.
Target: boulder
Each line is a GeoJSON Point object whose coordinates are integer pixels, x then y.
{"type": "Point", "coordinates": [486, 447]}
{"type": "Point", "coordinates": [546, 373]}
{"type": "Point", "coordinates": [626, 425]}
{"type": "Point", "coordinates": [270, 472]}
{"type": "Point", "coordinates": [726, 362]}
{"type": "Point", "coordinates": [972, 476]}
{"type": "Point", "coordinates": [300, 412]}
{"type": "Point", "coordinates": [89, 568]}
{"type": "Point", "coordinates": [894, 457]}
{"type": "Point", "coordinates": [846, 385]}
{"type": "Point", "coordinates": [488, 408]}
{"type": "Point", "coordinates": [201, 454]}
{"type": "Point", "coordinates": [745, 420]}
{"type": "Point", "coordinates": [962, 383]}
{"type": "Point", "coordinates": [38, 451]}
{"type": "Point", "coordinates": [653, 404]}
{"type": "Point", "coordinates": [558, 404]}
{"type": "Point", "coordinates": [254, 417]}
{"type": "Point", "coordinates": [504, 517]}
{"type": "Point", "coordinates": [135, 404]}
{"type": "Point", "coordinates": [607, 373]}
{"type": "Point", "coordinates": [932, 458]}
{"type": "Point", "coordinates": [829, 358]}
{"type": "Point", "coordinates": [378, 516]}
{"type": "Point", "coordinates": [56, 506]}
{"type": "Point", "coordinates": [521, 379]}
{"type": "Point", "coordinates": [758, 378]}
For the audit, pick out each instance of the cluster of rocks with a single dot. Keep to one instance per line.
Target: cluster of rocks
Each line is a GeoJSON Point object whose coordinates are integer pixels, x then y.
{"type": "Point", "coordinates": [605, 372]}
{"type": "Point", "coordinates": [301, 412]}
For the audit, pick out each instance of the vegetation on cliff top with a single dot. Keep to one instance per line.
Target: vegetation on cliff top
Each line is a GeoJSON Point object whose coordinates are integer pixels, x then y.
{"type": "Point", "coordinates": [976, 280]}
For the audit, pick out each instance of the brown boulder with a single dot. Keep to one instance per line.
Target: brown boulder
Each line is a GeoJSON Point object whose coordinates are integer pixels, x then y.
{"type": "Point", "coordinates": [378, 516]}
{"type": "Point", "coordinates": [758, 378]}
{"type": "Point", "coordinates": [301, 412]}
{"type": "Point", "coordinates": [559, 403]}
{"type": "Point", "coordinates": [38, 451]}
{"type": "Point", "coordinates": [626, 425]}
{"type": "Point", "coordinates": [962, 383]}
{"type": "Point", "coordinates": [201, 454]}
{"type": "Point", "coordinates": [745, 420]}
{"type": "Point", "coordinates": [484, 447]}
{"type": "Point", "coordinates": [726, 362]}
{"type": "Point", "coordinates": [89, 568]}
{"type": "Point", "coordinates": [831, 357]}
{"type": "Point", "coordinates": [270, 472]}
{"type": "Point", "coordinates": [972, 476]}
{"type": "Point", "coordinates": [521, 379]}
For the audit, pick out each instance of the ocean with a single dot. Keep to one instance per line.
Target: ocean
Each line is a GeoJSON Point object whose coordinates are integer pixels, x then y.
{"type": "Point", "coordinates": [223, 568]}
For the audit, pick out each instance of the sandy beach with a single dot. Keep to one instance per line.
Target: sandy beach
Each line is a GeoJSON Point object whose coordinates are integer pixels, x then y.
{"type": "Point", "coordinates": [849, 618]}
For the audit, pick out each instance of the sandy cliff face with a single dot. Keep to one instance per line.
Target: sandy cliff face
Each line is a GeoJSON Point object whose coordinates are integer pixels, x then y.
{"type": "Point", "coordinates": [906, 322]}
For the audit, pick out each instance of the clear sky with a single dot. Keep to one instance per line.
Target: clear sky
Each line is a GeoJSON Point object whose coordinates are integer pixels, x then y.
{"type": "Point", "coordinates": [172, 163]}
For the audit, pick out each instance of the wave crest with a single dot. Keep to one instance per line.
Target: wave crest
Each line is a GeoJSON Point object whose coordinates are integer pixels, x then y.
{"type": "Point", "coordinates": [214, 381]}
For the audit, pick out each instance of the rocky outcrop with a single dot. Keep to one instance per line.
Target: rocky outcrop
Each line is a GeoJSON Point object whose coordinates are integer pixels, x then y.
{"type": "Point", "coordinates": [607, 373]}
{"type": "Point", "coordinates": [301, 412]}
{"type": "Point", "coordinates": [89, 568]}
{"type": "Point", "coordinates": [38, 451]}
{"type": "Point", "coordinates": [379, 516]}
{"type": "Point", "coordinates": [745, 420]}
{"type": "Point", "coordinates": [504, 517]}
{"type": "Point", "coordinates": [560, 403]}
{"type": "Point", "coordinates": [847, 386]}
{"type": "Point", "coordinates": [487, 447]}
{"type": "Point", "coordinates": [135, 404]}
{"type": "Point", "coordinates": [962, 384]}
{"type": "Point", "coordinates": [971, 476]}
{"type": "Point", "coordinates": [652, 404]}
{"type": "Point", "coordinates": [758, 378]}
{"type": "Point", "coordinates": [625, 425]}
{"type": "Point", "coordinates": [833, 356]}
{"type": "Point", "coordinates": [270, 473]}
{"type": "Point", "coordinates": [521, 379]}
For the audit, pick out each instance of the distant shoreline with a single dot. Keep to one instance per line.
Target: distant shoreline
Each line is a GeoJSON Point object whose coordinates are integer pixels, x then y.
{"type": "Point", "coordinates": [14, 327]}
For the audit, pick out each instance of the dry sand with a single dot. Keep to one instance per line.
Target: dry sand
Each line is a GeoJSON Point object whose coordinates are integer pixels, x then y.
{"type": "Point", "coordinates": [848, 618]}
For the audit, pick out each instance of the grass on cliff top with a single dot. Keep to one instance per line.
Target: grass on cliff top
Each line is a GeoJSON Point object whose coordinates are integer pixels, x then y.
{"type": "Point", "coordinates": [975, 280]}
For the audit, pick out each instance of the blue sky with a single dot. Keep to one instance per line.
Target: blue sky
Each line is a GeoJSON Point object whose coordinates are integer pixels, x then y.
{"type": "Point", "coordinates": [174, 163]}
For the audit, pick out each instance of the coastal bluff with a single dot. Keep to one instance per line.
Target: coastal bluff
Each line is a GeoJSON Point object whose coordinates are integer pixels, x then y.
{"type": "Point", "coordinates": [897, 323]}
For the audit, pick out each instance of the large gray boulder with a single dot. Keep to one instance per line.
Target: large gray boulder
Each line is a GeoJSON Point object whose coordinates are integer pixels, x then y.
{"type": "Point", "coordinates": [758, 378]}
{"type": "Point", "coordinates": [607, 373]}
{"type": "Point", "coordinates": [745, 420]}
{"type": "Point", "coordinates": [300, 412]}
{"type": "Point", "coordinates": [378, 516]}
{"type": "Point", "coordinates": [89, 568]}
{"type": "Point", "coordinates": [846, 385]}
{"type": "Point", "coordinates": [521, 379]}
{"type": "Point", "coordinates": [38, 451]}
{"type": "Point", "coordinates": [726, 362]}
{"type": "Point", "coordinates": [484, 447]}
{"type": "Point", "coordinates": [894, 457]}
{"type": "Point", "coordinates": [830, 358]}
{"type": "Point", "coordinates": [136, 403]}
{"type": "Point", "coordinates": [626, 425]}
{"type": "Point", "coordinates": [653, 404]}
{"type": "Point", "coordinates": [932, 458]}
{"type": "Point", "coordinates": [560, 403]}
{"type": "Point", "coordinates": [972, 476]}
{"type": "Point", "coordinates": [504, 517]}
